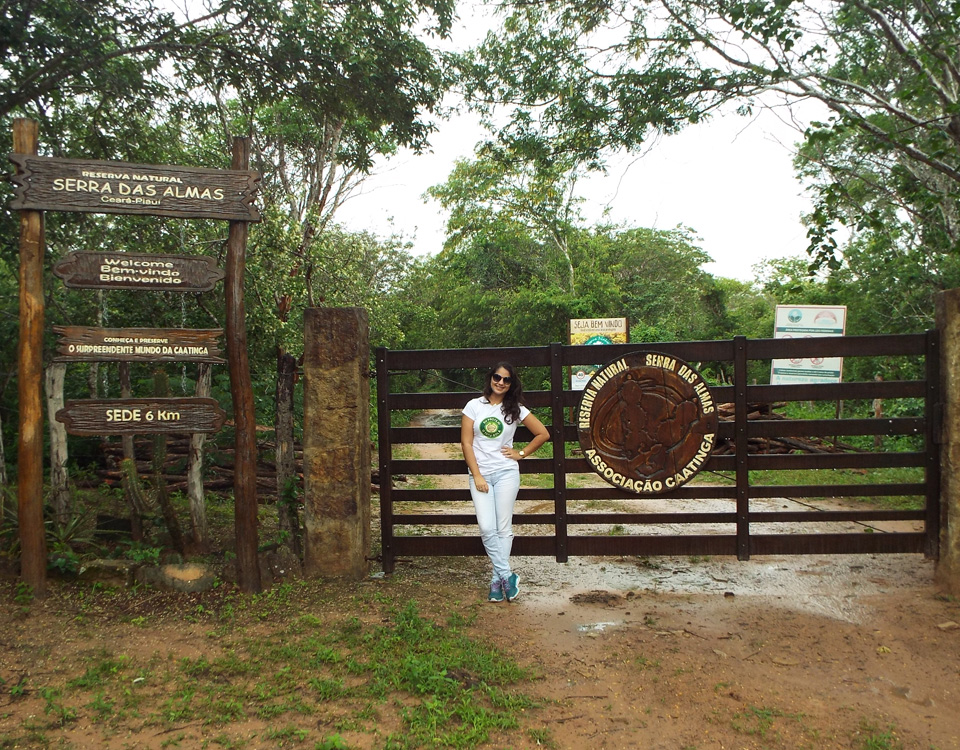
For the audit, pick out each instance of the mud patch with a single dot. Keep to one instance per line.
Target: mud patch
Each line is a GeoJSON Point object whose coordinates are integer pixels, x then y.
{"type": "Point", "coordinates": [606, 598]}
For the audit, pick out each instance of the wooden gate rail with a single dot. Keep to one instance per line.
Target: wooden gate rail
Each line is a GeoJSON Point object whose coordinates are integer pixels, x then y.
{"type": "Point", "coordinates": [735, 537]}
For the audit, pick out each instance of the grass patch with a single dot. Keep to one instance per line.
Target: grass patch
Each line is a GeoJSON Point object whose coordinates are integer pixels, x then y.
{"type": "Point", "coordinates": [537, 481]}
{"type": "Point", "coordinates": [871, 737]}
{"type": "Point", "coordinates": [763, 721]}
{"type": "Point", "coordinates": [852, 477]}
{"type": "Point", "coordinates": [317, 672]}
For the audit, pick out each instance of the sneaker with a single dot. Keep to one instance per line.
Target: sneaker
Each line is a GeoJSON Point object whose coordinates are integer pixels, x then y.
{"type": "Point", "coordinates": [496, 592]}
{"type": "Point", "coordinates": [511, 587]}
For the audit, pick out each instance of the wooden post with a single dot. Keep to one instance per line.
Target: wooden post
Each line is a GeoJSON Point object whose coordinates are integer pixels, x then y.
{"type": "Point", "coordinates": [241, 391]}
{"type": "Point", "coordinates": [336, 443]}
{"type": "Point", "coordinates": [33, 543]}
{"type": "Point", "coordinates": [948, 322]}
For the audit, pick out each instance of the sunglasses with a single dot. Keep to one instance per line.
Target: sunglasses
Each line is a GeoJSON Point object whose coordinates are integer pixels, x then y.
{"type": "Point", "coordinates": [497, 377]}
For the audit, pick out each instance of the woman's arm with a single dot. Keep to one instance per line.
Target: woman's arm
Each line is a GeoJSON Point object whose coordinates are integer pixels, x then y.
{"type": "Point", "coordinates": [466, 445]}
{"type": "Point", "coordinates": [540, 436]}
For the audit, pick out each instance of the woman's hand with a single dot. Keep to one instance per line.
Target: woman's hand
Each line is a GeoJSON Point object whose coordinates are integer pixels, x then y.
{"type": "Point", "coordinates": [480, 483]}
{"type": "Point", "coordinates": [511, 453]}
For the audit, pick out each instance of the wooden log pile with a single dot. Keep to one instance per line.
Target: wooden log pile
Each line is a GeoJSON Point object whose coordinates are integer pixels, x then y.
{"type": "Point", "coordinates": [218, 474]}
{"type": "Point", "coordinates": [781, 445]}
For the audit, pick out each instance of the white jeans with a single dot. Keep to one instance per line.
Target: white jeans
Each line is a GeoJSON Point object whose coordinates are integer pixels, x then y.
{"type": "Point", "coordinates": [495, 516]}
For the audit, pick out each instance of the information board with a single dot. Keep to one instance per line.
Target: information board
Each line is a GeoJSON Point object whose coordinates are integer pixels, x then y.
{"type": "Point", "coordinates": [88, 344]}
{"type": "Point", "coordinates": [594, 332]}
{"type": "Point", "coordinates": [808, 321]}
{"type": "Point", "coordinates": [110, 270]}
{"type": "Point", "coordinates": [43, 183]}
{"type": "Point", "coordinates": [141, 415]}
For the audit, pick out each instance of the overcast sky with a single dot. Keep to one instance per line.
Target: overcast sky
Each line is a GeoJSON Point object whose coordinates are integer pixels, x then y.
{"type": "Point", "coordinates": [730, 179]}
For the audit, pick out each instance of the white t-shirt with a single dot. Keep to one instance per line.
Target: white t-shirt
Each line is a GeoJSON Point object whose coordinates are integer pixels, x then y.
{"type": "Point", "coordinates": [491, 433]}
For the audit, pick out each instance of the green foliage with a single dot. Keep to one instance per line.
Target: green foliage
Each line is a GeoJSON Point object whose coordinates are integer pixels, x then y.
{"type": "Point", "coordinates": [139, 552]}
{"type": "Point", "coordinates": [500, 286]}
{"type": "Point", "coordinates": [871, 307]}
{"type": "Point", "coordinates": [106, 50]}
{"type": "Point", "coordinates": [104, 667]}
{"type": "Point", "coordinates": [63, 560]}
{"type": "Point", "coordinates": [583, 80]}
{"type": "Point", "coordinates": [55, 707]}
{"type": "Point", "coordinates": [321, 88]}
{"type": "Point", "coordinates": [23, 594]}
{"type": "Point", "coordinates": [9, 530]}
{"type": "Point", "coordinates": [65, 542]}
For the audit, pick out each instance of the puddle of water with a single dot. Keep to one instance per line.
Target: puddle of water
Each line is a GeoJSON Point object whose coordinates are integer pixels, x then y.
{"type": "Point", "coordinates": [596, 627]}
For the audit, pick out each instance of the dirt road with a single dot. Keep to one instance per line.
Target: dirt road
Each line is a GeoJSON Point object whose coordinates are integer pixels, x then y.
{"type": "Point", "coordinates": [846, 651]}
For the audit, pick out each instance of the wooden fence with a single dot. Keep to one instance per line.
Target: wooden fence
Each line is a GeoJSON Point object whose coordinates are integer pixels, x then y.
{"type": "Point", "coordinates": [728, 531]}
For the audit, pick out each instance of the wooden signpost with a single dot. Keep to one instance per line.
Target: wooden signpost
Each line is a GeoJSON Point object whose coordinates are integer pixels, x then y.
{"type": "Point", "coordinates": [46, 184]}
{"type": "Point", "coordinates": [87, 344]}
{"type": "Point", "coordinates": [106, 416]}
{"type": "Point", "coordinates": [172, 273]}
{"type": "Point", "coordinates": [53, 184]}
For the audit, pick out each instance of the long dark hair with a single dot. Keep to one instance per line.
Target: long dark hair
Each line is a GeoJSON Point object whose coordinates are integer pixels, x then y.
{"type": "Point", "coordinates": [512, 398]}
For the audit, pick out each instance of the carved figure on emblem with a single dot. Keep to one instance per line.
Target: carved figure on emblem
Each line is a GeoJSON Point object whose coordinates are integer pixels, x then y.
{"type": "Point", "coordinates": [647, 422]}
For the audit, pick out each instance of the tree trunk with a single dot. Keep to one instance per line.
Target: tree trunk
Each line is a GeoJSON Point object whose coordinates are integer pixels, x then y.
{"type": "Point", "coordinates": [93, 374]}
{"type": "Point", "coordinates": [93, 379]}
{"type": "Point", "coordinates": [288, 499]}
{"type": "Point", "coordinates": [3, 459]}
{"type": "Point", "coordinates": [161, 388]}
{"type": "Point", "coordinates": [59, 493]}
{"type": "Point", "coordinates": [198, 508]}
{"type": "Point", "coordinates": [241, 393]}
{"type": "Point", "coordinates": [878, 414]}
{"type": "Point", "coordinates": [131, 481]}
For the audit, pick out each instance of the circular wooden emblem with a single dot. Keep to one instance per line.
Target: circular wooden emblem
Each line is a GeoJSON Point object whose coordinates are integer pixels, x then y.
{"type": "Point", "coordinates": [647, 422]}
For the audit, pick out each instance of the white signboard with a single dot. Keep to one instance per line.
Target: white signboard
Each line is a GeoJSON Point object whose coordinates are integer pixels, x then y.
{"type": "Point", "coordinates": [592, 332]}
{"type": "Point", "coordinates": [808, 322]}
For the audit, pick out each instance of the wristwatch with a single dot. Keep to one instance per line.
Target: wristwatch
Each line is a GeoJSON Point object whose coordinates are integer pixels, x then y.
{"type": "Point", "coordinates": [522, 454]}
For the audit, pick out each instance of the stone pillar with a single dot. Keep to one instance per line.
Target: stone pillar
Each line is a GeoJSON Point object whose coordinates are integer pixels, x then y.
{"type": "Point", "coordinates": [336, 443]}
{"type": "Point", "coordinates": [948, 322]}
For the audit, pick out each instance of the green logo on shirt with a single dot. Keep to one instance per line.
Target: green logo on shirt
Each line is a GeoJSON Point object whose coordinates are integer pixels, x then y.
{"type": "Point", "coordinates": [491, 427]}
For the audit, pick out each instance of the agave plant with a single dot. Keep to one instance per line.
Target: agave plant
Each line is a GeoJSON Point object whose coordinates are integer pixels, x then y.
{"type": "Point", "coordinates": [63, 539]}
{"type": "Point", "coordinates": [9, 528]}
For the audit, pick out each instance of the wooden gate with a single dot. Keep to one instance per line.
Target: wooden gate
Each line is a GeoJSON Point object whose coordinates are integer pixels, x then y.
{"type": "Point", "coordinates": [724, 532]}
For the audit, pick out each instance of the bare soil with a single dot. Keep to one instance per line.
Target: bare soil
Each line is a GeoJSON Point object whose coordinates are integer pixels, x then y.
{"type": "Point", "coordinates": [813, 652]}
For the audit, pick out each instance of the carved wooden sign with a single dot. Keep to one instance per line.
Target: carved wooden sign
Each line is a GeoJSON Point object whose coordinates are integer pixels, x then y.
{"type": "Point", "coordinates": [141, 415]}
{"type": "Point", "coordinates": [87, 344]}
{"type": "Point", "coordinates": [43, 183]}
{"type": "Point", "coordinates": [647, 422]}
{"type": "Point", "coordinates": [172, 273]}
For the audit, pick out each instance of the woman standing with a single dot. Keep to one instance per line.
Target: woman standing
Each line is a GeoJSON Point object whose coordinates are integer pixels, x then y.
{"type": "Point", "coordinates": [486, 437]}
